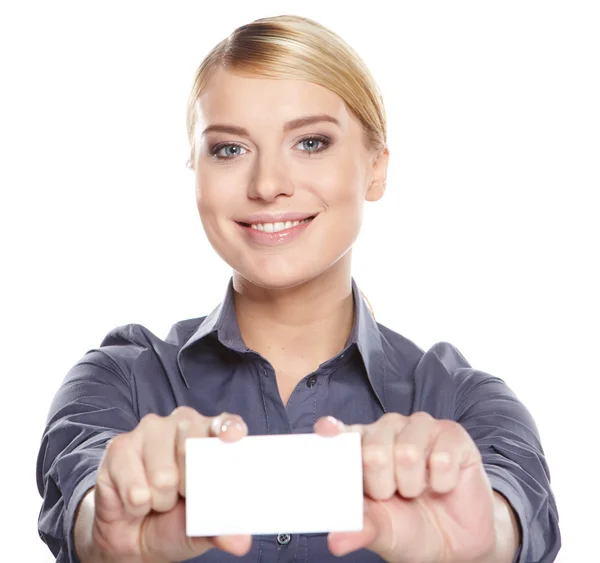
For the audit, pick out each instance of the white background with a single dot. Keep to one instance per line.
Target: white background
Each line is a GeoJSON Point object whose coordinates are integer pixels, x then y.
{"type": "Point", "coordinates": [487, 236]}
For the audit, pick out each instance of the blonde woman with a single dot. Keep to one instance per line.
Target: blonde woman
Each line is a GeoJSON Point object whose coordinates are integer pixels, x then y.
{"type": "Point", "coordinates": [288, 140]}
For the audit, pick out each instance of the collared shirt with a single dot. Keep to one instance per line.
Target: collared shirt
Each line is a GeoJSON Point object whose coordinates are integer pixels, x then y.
{"type": "Point", "coordinates": [203, 363]}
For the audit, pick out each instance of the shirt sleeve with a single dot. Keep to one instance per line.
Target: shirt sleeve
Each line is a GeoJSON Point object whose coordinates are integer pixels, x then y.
{"type": "Point", "coordinates": [93, 404]}
{"type": "Point", "coordinates": [509, 442]}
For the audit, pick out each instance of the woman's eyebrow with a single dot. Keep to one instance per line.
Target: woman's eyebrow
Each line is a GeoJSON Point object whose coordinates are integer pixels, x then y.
{"type": "Point", "coordinates": [288, 126]}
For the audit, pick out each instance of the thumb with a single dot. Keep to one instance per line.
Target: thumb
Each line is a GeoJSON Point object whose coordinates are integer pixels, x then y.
{"type": "Point", "coordinates": [163, 536]}
{"type": "Point", "coordinates": [342, 543]}
{"type": "Point", "coordinates": [236, 545]}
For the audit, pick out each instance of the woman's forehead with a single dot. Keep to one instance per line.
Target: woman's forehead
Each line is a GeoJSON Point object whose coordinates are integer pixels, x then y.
{"type": "Point", "coordinates": [229, 95]}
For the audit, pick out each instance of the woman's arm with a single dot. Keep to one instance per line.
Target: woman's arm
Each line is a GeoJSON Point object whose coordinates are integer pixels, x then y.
{"type": "Point", "coordinates": [92, 406]}
{"type": "Point", "coordinates": [508, 534]}
{"type": "Point", "coordinates": [513, 457]}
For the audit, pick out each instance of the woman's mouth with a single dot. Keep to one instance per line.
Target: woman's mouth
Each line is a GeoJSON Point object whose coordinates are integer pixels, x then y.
{"type": "Point", "coordinates": [276, 227]}
{"type": "Point", "coordinates": [272, 234]}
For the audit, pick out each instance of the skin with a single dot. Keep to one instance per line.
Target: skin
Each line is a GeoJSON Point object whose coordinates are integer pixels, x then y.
{"type": "Point", "coordinates": [426, 494]}
{"type": "Point", "coordinates": [268, 171]}
{"type": "Point", "coordinates": [136, 511]}
{"type": "Point", "coordinates": [427, 497]}
{"type": "Point", "coordinates": [276, 171]}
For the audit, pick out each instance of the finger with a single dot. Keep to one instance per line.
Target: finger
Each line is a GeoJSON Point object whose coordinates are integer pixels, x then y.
{"type": "Point", "coordinates": [186, 418]}
{"type": "Point", "coordinates": [452, 450]}
{"type": "Point", "coordinates": [411, 451]}
{"type": "Point", "coordinates": [342, 543]}
{"type": "Point", "coordinates": [122, 468]}
{"type": "Point", "coordinates": [377, 453]}
{"type": "Point", "coordinates": [182, 547]}
{"type": "Point", "coordinates": [230, 428]}
{"type": "Point", "coordinates": [227, 426]}
{"type": "Point", "coordinates": [329, 426]}
{"type": "Point", "coordinates": [237, 545]}
{"type": "Point", "coordinates": [182, 432]}
{"type": "Point", "coordinates": [158, 453]}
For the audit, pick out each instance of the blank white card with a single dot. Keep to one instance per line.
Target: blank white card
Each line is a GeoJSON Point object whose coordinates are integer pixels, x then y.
{"type": "Point", "coordinates": [284, 483]}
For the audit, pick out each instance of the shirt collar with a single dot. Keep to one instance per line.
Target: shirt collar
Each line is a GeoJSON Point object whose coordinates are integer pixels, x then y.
{"type": "Point", "coordinates": [365, 335]}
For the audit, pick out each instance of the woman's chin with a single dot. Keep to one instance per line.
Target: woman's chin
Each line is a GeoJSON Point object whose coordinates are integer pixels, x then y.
{"type": "Point", "coordinates": [279, 279]}
{"type": "Point", "coordinates": [278, 272]}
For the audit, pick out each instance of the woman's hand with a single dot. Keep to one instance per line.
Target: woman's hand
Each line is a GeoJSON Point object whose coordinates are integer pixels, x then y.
{"type": "Point", "coordinates": [427, 497]}
{"type": "Point", "coordinates": [138, 510]}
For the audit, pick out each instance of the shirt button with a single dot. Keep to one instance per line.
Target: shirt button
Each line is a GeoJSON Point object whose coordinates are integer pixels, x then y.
{"type": "Point", "coordinates": [311, 381]}
{"type": "Point", "coordinates": [283, 539]}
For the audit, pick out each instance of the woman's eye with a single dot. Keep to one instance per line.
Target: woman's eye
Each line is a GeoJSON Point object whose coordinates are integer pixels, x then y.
{"type": "Point", "coordinates": [229, 151]}
{"type": "Point", "coordinates": [311, 144]}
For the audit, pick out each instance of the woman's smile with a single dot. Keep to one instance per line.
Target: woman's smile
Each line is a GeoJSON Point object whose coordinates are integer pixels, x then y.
{"type": "Point", "coordinates": [275, 233]}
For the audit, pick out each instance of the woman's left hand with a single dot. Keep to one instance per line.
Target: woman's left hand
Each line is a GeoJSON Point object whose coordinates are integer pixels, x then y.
{"type": "Point", "coordinates": [427, 497]}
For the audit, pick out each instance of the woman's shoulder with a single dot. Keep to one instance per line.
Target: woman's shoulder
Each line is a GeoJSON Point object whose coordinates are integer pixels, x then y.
{"type": "Point", "coordinates": [396, 345]}
{"type": "Point", "coordinates": [125, 345]}
{"type": "Point", "coordinates": [441, 359]}
{"type": "Point", "coordinates": [441, 380]}
{"type": "Point", "coordinates": [139, 335]}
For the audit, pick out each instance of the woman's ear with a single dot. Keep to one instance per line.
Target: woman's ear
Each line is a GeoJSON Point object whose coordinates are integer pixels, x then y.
{"type": "Point", "coordinates": [375, 191]}
{"type": "Point", "coordinates": [376, 188]}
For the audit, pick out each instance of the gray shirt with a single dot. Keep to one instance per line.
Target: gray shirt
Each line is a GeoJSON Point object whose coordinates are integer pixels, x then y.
{"type": "Point", "coordinates": [203, 363]}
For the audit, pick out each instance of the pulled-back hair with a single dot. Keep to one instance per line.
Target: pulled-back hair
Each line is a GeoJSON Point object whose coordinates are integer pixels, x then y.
{"type": "Point", "coordinates": [297, 48]}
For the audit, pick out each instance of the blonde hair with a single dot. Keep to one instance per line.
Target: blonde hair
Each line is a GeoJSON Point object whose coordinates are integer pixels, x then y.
{"type": "Point", "coordinates": [294, 47]}
{"type": "Point", "coordinates": [368, 303]}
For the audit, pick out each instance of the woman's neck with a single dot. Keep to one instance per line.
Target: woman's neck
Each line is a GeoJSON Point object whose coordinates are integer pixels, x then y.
{"type": "Point", "coordinates": [304, 325]}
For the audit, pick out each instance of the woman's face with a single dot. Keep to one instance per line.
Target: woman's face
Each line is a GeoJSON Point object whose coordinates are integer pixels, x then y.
{"type": "Point", "coordinates": [258, 174]}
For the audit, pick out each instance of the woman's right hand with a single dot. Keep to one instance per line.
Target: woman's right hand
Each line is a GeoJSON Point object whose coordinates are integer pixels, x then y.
{"type": "Point", "coordinates": [136, 511]}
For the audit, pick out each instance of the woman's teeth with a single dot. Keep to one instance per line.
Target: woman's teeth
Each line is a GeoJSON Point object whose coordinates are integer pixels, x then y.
{"type": "Point", "coordinates": [276, 227]}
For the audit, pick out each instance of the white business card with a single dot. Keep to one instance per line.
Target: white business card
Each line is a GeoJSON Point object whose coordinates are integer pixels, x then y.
{"type": "Point", "coordinates": [283, 483]}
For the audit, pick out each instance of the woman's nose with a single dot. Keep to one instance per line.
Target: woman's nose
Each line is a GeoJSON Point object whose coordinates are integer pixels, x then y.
{"type": "Point", "coordinates": [269, 180]}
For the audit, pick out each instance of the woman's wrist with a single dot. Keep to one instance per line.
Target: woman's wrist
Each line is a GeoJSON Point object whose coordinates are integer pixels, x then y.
{"type": "Point", "coordinates": [86, 550]}
{"type": "Point", "coordinates": [508, 536]}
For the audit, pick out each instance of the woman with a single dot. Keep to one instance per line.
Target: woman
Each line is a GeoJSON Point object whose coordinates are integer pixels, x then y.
{"type": "Point", "coordinates": [288, 139]}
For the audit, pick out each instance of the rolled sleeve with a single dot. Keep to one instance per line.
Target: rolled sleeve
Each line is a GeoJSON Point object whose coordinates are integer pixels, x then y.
{"type": "Point", "coordinates": [509, 488]}
{"type": "Point", "coordinates": [508, 439]}
{"type": "Point", "coordinates": [512, 454]}
{"type": "Point", "coordinates": [93, 404]}
{"type": "Point", "coordinates": [81, 488]}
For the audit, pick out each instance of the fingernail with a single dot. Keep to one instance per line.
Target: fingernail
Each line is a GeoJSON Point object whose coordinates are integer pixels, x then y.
{"type": "Point", "coordinates": [222, 427]}
{"type": "Point", "coordinates": [335, 421]}
{"type": "Point", "coordinates": [232, 424]}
